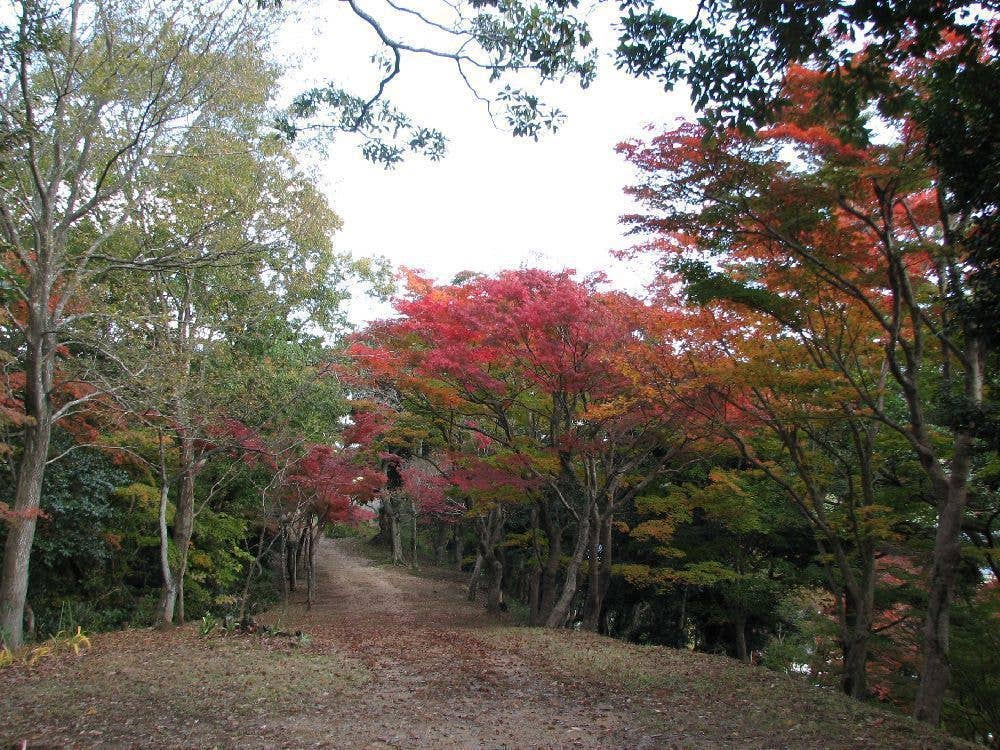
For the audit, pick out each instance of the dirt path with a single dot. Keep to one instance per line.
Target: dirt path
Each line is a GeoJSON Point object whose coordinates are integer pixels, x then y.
{"type": "Point", "coordinates": [436, 681]}
{"type": "Point", "coordinates": [395, 660]}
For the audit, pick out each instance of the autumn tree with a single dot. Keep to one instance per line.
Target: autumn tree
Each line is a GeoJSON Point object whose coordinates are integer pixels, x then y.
{"type": "Point", "coordinates": [535, 365]}
{"type": "Point", "coordinates": [329, 484]}
{"type": "Point", "coordinates": [815, 205]}
{"type": "Point", "coordinates": [772, 355]}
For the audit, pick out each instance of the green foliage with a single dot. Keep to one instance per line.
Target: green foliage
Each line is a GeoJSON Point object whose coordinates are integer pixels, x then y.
{"type": "Point", "coordinates": [75, 558]}
{"type": "Point", "coordinates": [95, 562]}
{"type": "Point", "coordinates": [743, 547]}
{"type": "Point", "coordinates": [390, 133]}
{"type": "Point", "coordinates": [802, 640]}
{"type": "Point", "coordinates": [704, 285]}
{"type": "Point", "coordinates": [76, 501]}
{"type": "Point", "coordinates": [973, 708]}
{"type": "Point", "coordinates": [963, 135]}
{"type": "Point", "coordinates": [507, 38]}
{"type": "Point", "coordinates": [217, 563]}
{"type": "Point", "coordinates": [526, 540]}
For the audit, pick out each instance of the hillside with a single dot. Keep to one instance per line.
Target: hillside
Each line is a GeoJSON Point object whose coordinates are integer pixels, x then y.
{"type": "Point", "coordinates": [393, 660]}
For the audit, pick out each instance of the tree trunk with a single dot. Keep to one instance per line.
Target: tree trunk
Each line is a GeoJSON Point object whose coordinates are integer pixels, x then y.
{"type": "Point", "coordinates": [557, 618]}
{"type": "Point", "coordinates": [312, 540]}
{"type": "Point", "coordinates": [20, 537]}
{"type": "Point", "coordinates": [550, 574]}
{"type": "Point", "coordinates": [606, 560]}
{"type": "Point", "coordinates": [303, 559]}
{"type": "Point", "coordinates": [740, 623]}
{"type": "Point", "coordinates": [302, 547]}
{"type": "Point", "coordinates": [30, 474]}
{"type": "Point", "coordinates": [935, 673]}
{"type": "Point", "coordinates": [253, 567]}
{"type": "Point", "coordinates": [183, 528]}
{"type": "Point", "coordinates": [534, 597]}
{"type": "Point", "coordinates": [414, 563]}
{"type": "Point", "coordinates": [599, 574]}
{"type": "Point", "coordinates": [857, 634]}
{"type": "Point", "coordinates": [283, 564]}
{"type": "Point", "coordinates": [395, 533]}
{"type": "Point", "coordinates": [639, 610]}
{"type": "Point", "coordinates": [165, 605]}
{"type": "Point", "coordinates": [535, 580]}
{"type": "Point", "coordinates": [592, 607]}
{"type": "Point", "coordinates": [459, 546]}
{"type": "Point", "coordinates": [168, 591]}
{"type": "Point", "coordinates": [855, 678]}
{"type": "Point", "coordinates": [474, 578]}
{"type": "Point", "coordinates": [290, 563]}
{"type": "Point", "coordinates": [440, 542]}
{"type": "Point", "coordinates": [494, 597]}
{"type": "Point", "coordinates": [384, 535]}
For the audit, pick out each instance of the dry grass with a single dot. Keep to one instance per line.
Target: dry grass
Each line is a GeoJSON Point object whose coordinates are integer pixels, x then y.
{"type": "Point", "coordinates": [149, 688]}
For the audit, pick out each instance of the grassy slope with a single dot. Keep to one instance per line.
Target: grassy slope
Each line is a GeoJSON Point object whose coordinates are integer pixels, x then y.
{"type": "Point", "coordinates": [703, 700]}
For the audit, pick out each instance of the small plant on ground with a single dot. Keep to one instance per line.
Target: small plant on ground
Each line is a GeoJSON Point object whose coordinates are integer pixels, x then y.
{"type": "Point", "coordinates": [62, 642]}
{"type": "Point", "coordinates": [207, 625]}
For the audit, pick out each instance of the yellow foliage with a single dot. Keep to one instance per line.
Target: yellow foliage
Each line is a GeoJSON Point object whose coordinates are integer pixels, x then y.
{"type": "Point", "coordinates": [878, 520]}
{"type": "Point", "coordinates": [61, 642]}
{"type": "Point", "coordinates": [658, 529]}
{"type": "Point", "coordinates": [671, 552]}
{"type": "Point", "coordinates": [200, 559]}
{"type": "Point", "coordinates": [607, 409]}
{"type": "Point", "coordinates": [639, 576]}
{"type": "Point", "coordinates": [79, 641]}
{"type": "Point", "coordinates": [727, 480]}
{"type": "Point", "coordinates": [675, 504]}
{"type": "Point", "coordinates": [146, 496]}
{"type": "Point", "coordinates": [38, 652]}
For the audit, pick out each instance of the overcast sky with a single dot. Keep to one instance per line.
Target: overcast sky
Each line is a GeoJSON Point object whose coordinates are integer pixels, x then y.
{"type": "Point", "coordinates": [493, 202]}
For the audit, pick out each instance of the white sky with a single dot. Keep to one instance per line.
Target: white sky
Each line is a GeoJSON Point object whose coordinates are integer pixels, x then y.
{"type": "Point", "coordinates": [493, 202]}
